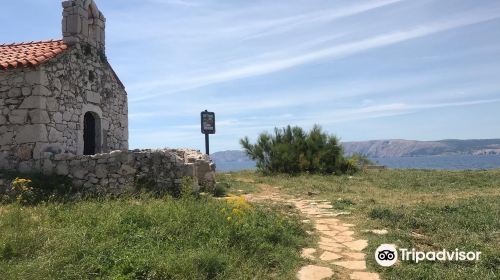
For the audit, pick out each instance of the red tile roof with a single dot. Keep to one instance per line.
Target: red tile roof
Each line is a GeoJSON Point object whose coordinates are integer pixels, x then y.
{"type": "Point", "coordinates": [29, 54]}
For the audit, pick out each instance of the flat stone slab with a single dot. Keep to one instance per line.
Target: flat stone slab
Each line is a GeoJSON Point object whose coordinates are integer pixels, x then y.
{"type": "Point", "coordinates": [328, 256]}
{"type": "Point", "coordinates": [329, 242]}
{"type": "Point", "coordinates": [324, 215]}
{"type": "Point", "coordinates": [354, 256]}
{"type": "Point", "coordinates": [343, 239]}
{"type": "Point", "coordinates": [307, 253]}
{"type": "Point", "coordinates": [322, 227]}
{"type": "Point", "coordinates": [329, 233]}
{"type": "Point", "coordinates": [340, 228]}
{"type": "Point", "coordinates": [329, 221]}
{"type": "Point", "coordinates": [314, 272]}
{"type": "Point", "coordinates": [357, 245]}
{"type": "Point", "coordinates": [364, 276]}
{"type": "Point", "coordinates": [353, 265]}
{"type": "Point", "coordinates": [330, 248]}
{"type": "Point", "coordinates": [347, 233]}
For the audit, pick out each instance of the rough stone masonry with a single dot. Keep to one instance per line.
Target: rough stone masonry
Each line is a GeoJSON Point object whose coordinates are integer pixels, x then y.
{"type": "Point", "coordinates": [63, 110]}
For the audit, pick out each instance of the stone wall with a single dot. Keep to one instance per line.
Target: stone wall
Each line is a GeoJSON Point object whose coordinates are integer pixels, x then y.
{"type": "Point", "coordinates": [42, 109]}
{"type": "Point", "coordinates": [120, 171]}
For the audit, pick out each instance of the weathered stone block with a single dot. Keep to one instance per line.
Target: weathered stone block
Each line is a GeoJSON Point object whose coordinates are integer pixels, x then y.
{"type": "Point", "coordinates": [40, 90]}
{"type": "Point", "coordinates": [34, 102]}
{"type": "Point", "coordinates": [31, 134]}
{"type": "Point", "coordinates": [67, 116]}
{"type": "Point", "coordinates": [18, 116]}
{"type": "Point", "coordinates": [26, 91]}
{"type": "Point", "coordinates": [79, 172]}
{"type": "Point", "coordinates": [47, 167]}
{"type": "Point", "coordinates": [41, 148]}
{"type": "Point", "coordinates": [93, 97]}
{"type": "Point", "coordinates": [14, 92]}
{"type": "Point", "coordinates": [54, 135]}
{"type": "Point", "coordinates": [6, 138]}
{"type": "Point", "coordinates": [52, 104]}
{"type": "Point", "coordinates": [100, 171]}
{"type": "Point", "coordinates": [61, 157]}
{"type": "Point", "coordinates": [32, 77]}
{"type": "Point", "coordinates": [57, 117]}
{"type": "Point", "coordinates": [39, 116]}
{"type": "Point", "coordinates": [62, 168]}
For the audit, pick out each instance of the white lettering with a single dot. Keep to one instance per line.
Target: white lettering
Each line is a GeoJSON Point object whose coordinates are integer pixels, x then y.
{"type": "Point", "coordinates": [404, 254]}
{"type": "Point", "coordinates": [441, 255]}
{"type": "Point", "coordinates": [419, 256]}
{"type": "Point", "coordinates": [450, 255]}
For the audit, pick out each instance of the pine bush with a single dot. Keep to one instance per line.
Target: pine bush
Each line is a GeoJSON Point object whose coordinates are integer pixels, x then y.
{"type": "Point", "coordinates": [293, 150]}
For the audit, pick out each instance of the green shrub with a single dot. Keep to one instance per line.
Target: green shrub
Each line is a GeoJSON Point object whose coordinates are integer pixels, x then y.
{"type": "Point", "coordinates": [220, 189]}
{"type": "Point", "coordinates": [292, 150]}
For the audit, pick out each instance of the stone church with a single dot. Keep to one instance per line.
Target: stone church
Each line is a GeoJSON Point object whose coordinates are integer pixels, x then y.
{"type": "Point", "coordinates": [61, 96]}
{"type": "Point", "coordinates": [63, 110]}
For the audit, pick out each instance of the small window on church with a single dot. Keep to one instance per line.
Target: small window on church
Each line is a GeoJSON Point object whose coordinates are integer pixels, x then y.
{"type": "Point", "coordinates": [87, 50]}
{"type": "Point", "coordinates": [91, 76]}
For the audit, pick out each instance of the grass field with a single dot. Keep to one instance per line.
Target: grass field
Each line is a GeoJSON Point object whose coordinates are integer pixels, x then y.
{"type": "Point", "coordinates": [426, 210]}
{"type": "Point", "coordinates": [207, 238]}
{"type": "Point", "coordinates": [148, 238]}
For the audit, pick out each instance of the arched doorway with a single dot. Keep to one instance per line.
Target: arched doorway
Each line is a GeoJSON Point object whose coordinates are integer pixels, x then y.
{"type": "Point", "coordinates": [91, 134]}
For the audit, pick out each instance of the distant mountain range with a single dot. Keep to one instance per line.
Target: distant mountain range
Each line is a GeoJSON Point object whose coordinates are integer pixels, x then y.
{"type": "Point", "coordinates": [411, 148]}
{"type": "Point", "coordinates": [394, 148]}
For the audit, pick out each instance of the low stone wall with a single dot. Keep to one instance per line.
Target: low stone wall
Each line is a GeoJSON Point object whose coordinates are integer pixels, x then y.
{"type": "Point", "coordinates": [120, 171]}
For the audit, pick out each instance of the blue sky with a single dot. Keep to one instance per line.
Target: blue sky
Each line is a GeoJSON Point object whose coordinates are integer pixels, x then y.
{"type": "Point", "coordinates": [424, 70]}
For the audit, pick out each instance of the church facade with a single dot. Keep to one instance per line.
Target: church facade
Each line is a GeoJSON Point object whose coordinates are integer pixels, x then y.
{"type": "Point", "coordinates": [61, 96]}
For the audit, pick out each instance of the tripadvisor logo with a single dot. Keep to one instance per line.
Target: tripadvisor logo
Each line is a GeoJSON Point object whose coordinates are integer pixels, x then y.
{"type": "Point", "coordinates": [387, 255]}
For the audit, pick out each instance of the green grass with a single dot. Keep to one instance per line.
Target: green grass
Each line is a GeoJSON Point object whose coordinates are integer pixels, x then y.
{"type": "Point", "coordinates": [426, 210]}
{"type": "Point", "coordinates": [147, 238]}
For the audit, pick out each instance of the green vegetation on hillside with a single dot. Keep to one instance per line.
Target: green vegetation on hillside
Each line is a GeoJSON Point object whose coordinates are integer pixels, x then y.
{"type": "Point", "coordinates": [425, 210]}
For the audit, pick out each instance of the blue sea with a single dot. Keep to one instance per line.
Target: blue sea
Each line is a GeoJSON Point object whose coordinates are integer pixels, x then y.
{"type": "Point", "coordinates": [454, 162]}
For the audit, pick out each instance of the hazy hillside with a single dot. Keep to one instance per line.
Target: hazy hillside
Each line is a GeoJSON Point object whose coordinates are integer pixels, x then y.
{"type": "Point", "coordinates": [229, 156]}
{"type": "Point", "coordinates": [408, 148]}
{"type": "Point", "coordinates": [394, 148]}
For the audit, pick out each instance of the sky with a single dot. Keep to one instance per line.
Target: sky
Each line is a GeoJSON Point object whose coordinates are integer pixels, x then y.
{"type": "Point", "coordinates": [363, 70]}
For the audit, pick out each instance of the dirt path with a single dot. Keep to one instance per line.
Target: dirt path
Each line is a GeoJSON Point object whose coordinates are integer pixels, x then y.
{"type": "Point", "coordinates": [338, 255]}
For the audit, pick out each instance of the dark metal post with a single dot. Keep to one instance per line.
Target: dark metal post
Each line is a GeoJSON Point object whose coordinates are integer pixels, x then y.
{"type": "Point", "coordinates": [207, 144]}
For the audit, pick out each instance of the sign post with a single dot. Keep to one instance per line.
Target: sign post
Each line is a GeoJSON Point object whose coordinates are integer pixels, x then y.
{"type": "Point", "coordinates": [207, 127]}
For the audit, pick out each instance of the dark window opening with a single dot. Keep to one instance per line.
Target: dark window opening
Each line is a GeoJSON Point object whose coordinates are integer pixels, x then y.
{"type": "Point", "coordinates": [89, 134]}
{"type": "Point", "coordinates": [87, 50]}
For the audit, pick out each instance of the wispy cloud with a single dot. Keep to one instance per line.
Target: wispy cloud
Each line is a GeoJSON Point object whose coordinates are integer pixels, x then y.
{"type": "Point", "coordinates": [334, 52]}
{"type": "Point", "coordinates": [294, 22]}
{"type": "Point", "coordinates": [351, 114]}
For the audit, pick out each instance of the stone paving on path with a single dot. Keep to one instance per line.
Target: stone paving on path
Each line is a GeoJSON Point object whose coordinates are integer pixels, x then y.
{"type": "Point", "coordinates": [337, 249]}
